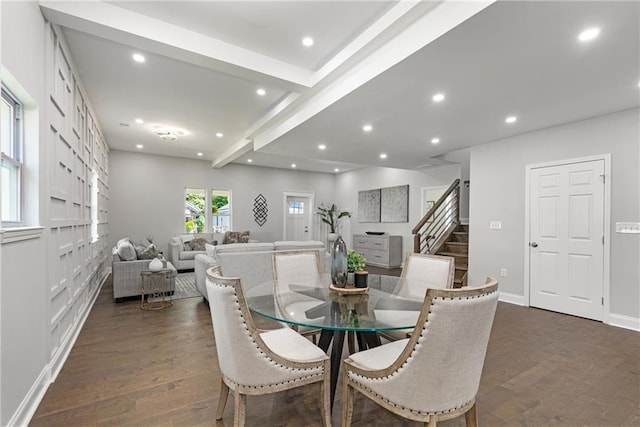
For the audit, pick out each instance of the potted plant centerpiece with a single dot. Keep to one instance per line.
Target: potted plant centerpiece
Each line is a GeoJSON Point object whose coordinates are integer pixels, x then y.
{"type": "Point", "coordinates": [331, 216]}
{"type": "Point", "coordinates": [356, 263]}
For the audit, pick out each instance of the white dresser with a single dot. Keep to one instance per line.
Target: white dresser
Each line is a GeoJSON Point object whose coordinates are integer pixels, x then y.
{"type": "Point", "coordinates": [380, 251]}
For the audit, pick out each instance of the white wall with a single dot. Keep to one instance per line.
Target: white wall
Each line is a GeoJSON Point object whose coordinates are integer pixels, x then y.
{"type": "Point", "coordinates": [147, 194]}
{"type": "Point", "coordinates": [51, 271]}
{"type": "Point", "coordinates": [498, 193]}
{"type": "Point", "coordinates": [349, 183]}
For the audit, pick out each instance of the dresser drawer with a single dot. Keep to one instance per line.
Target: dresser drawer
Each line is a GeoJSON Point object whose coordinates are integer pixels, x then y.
{"type": "Point", "coordinates": [374, 257]}
{"type": "Point", "coordinates": [366, 242]}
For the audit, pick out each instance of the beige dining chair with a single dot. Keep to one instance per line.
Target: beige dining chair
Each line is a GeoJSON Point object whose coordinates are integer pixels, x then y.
{"type": "Point", "coordinates": [421, 271]}
{"type": "Point", "coordinates": [296, 267]}
{"type": "Point", "coordinates": [254, 362]}
{"type": "Point", "coordinates": [435, 374]}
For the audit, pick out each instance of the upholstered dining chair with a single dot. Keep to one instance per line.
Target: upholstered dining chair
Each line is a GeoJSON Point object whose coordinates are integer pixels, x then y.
{"type": "Point", "coordinates": [435, 374]}
{"type": "Point", "coordinates": [254, 362]}
{"type": "Point", "coordinates": [296, 267]}
{"type": "Point", "coordinates": [421, 271]}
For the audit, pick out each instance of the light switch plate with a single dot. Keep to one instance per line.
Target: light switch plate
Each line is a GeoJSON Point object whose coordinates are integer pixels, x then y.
{"type": "Point", "coordinates": [628, 227]}
{"type": "Point", "coordinates": [495, 225]}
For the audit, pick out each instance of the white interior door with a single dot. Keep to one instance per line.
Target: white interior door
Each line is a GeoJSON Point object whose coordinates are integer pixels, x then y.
{"type": "Point", "coordinates": [298, 217]}
{"type": "Point", "coordinates": [566, 242]}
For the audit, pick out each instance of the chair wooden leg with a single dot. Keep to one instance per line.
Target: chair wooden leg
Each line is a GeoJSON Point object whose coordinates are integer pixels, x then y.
{"type": "Point", "coordinates": [239, 409]}
{"type": "Point", "coordinates": [325, 399]}
{"type": "Point", "coordinates": [471, 416]}
{"type": "Point", "coordinates": [433, 421]}
{"type": "Point", "coordinates": [222, 399]}
{"type": "Point", "coordinates": [347, 401]}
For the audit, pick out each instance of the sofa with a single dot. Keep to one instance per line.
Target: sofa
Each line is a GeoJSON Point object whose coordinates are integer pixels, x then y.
{"type": "Point", "coordinates": [184, 248]}
{"type": "Point", "coordinates": [251, 262]}
{"type": "Point", "coordinates": [126, 269]}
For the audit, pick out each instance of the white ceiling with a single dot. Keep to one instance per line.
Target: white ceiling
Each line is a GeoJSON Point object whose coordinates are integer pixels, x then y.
{"type": "Point", "coordinates": [374, 62]}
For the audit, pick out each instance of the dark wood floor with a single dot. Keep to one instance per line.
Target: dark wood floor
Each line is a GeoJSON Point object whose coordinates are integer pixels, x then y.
{"type": "Point", "coordinates": [135, 368]}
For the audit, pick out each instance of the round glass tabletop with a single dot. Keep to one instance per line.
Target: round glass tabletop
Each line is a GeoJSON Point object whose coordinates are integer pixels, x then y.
{"type": "Point", "coordinates": [390, 303]}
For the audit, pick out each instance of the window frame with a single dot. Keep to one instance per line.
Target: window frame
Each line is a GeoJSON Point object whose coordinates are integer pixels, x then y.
{"type": "Point", "coordinates": [14, 159]}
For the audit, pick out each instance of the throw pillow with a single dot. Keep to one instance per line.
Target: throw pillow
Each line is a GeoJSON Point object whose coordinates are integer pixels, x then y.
{"type": "Point", "coordinates": [198, 244]}
{"type": "Point", "coordinates": [211, 250]}
{"type": "Point", "coordinates": [236, 237]}
{"type": "Point", "coordinates": [126, 251]}
{"type": "Point", "coordinates": [148, 252]}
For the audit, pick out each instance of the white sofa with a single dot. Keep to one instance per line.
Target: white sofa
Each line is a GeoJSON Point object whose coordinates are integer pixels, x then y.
{"type": "Point", "coordinates": [251, 262]}
{"type": "Point", "coordinates": [183, 257]}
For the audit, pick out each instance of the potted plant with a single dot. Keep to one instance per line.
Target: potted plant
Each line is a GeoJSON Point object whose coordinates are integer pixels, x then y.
{"type": "Point", "coordinates": [331, 216]}
{"type": "Point", "coordinates": [356, 263]}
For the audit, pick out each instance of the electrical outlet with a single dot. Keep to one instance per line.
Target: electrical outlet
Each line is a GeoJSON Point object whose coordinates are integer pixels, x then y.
{"type": "Point", "coordinates": [495, 225]}
{"type": "Point", "coordinates": [503, 272]}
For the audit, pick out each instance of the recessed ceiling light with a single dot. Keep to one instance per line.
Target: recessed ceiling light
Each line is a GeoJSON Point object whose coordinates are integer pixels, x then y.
{"type": "Point", "coordinates": [199, 154]}
{"type": "Point", "coordinates": [438, 97]}
{"type": "Point", "coordinates": [139, 146]}
{"type": "Point", "coordinates": [307, 41]}
{"type": "Point", "coordinates": [139, 121]}
{"type": "Point", "coordinates": [367, 128]}
{"type": "Point", "coordinates": [589, 34]}
{"type": "Point", "coordinates": [293, 165]}
{"type": "Point", "coordinates": [249, 160]}
{"type": "Point", "coordinates": [336, 170]}
{"type": "Point", "coordinates": [261, 92]}
{"type": "Point", "coordinates": [219, 134]}
{"type": "Point", "coordinates": [138, 57]}
{"type": "Point", "coordinates": [322, 147]}
{"type": "Point", "coordinates": [435, 140]}
{"type": "Point", "coordinates": [511, 119]}
{"type": "Point", "coordinates": [383, 156]}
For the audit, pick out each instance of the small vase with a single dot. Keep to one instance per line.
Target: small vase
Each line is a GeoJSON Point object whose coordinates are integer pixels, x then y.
{"type": "Point", "coordinates": [360, 279]}
{"type": "Point", "coordinates": [155, 265]}
{"type": "Point", "coordinates": [339, 263]}
{"type": "Point", "coordinates": [332, 237]}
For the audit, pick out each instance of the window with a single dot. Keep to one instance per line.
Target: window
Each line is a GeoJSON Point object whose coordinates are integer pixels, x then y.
{"type": "Point", "coordinates": [94, 206]}
{"type": "Point", "coordinates": [11, 140]}
{"type": "Point", "coordinates": [220, 210]}
{"type": "Point", "coordinates": [194, 210]}
{"type": "Point", "coordinates": [296, 208]}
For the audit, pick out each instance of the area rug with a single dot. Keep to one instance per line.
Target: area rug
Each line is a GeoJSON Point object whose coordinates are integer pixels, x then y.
{"type": "Point", "coordinates": [186, 286]}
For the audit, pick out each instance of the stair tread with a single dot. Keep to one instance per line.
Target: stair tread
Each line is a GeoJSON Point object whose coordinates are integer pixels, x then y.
{"type": "Point", "coordinates": [457, 243]}
{"type": "Point", "coordinates": [453, 254]}
{"type": "Point", "coordinates": [461, 267]}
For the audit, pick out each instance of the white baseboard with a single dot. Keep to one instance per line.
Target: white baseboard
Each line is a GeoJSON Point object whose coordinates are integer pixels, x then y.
{"type": "Point", "coordinates": [30, 403]}
{"type": "Point", "coordinates": [511, 298]}
{"type": "Point", "coordinates": [622, 321]}
{"type": "Point", "coordinates": [49, 373]}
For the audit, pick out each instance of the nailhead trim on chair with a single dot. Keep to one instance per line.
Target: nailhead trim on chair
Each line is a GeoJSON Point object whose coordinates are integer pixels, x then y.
{"type": "Point", "coordinates": [315, 373]}
{"type": "Point", "coordinates": [382, 379]}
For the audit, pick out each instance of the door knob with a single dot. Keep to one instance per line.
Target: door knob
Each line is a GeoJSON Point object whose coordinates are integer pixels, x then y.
{"type": "Point", "coordinates": [533, 244]}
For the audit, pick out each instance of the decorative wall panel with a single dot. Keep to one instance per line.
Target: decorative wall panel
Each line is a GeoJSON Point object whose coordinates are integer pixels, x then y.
{"type": "Point", "coordinates": [74, 147]}
{"type": "Point", "coordinates": [369, 205]}
{"type": "Point", "coordinates": [394, 204]}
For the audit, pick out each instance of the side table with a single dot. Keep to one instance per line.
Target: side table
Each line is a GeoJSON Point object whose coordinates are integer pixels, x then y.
{"type": "Point", "coordinates": [155, 286]}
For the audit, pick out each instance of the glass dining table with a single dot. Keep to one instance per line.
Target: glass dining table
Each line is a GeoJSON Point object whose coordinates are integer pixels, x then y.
{"type": "Point", "coordinates": [390, 303]}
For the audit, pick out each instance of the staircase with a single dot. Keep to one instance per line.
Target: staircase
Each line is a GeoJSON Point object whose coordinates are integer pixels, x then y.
{"type": "Point", "coordinates": [440, 232]}
{"type": "Point", "coordinates": [457, 246]}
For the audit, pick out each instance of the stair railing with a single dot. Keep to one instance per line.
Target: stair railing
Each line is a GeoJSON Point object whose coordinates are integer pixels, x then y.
{"type": "Point", "coordinates": [438, 224]}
